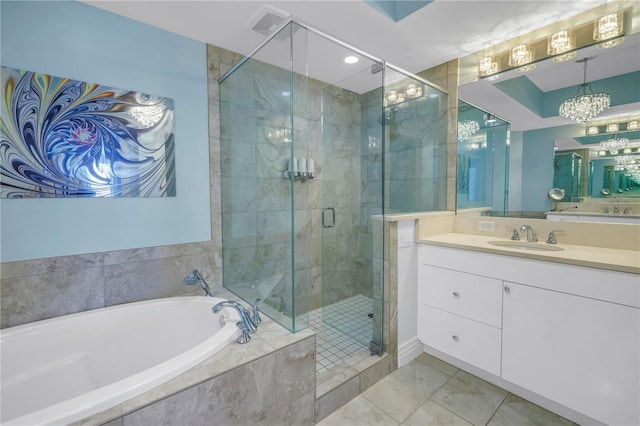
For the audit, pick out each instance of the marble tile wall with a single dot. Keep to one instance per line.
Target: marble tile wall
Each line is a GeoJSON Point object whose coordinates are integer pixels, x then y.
{"type": "Point", "coordinates": [265, 398]}
{"type": "Point", "coordinates": [446, 76]}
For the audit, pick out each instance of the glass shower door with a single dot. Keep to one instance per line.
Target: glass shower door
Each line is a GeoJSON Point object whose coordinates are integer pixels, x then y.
{"type": "Point", "coordinates": [351, 201]}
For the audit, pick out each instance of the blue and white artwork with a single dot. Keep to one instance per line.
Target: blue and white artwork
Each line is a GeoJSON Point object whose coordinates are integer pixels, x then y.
{"type": "Point", "coordinates": [67, 138]}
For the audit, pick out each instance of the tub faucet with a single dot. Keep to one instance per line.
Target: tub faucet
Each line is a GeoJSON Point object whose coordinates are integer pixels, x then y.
{"type": "Point", "coordinates": [246, 324]}
{"type": "Point", "coordinates": [195, 278]}
{"type": "Point", "coordinates": [531, 234]}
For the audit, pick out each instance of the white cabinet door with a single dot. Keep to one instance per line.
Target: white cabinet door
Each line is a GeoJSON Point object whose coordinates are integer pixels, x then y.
{"type": "Point", "coordinates": [580, 352]}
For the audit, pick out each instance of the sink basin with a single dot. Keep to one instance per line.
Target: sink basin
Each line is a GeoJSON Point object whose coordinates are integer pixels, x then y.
{"type": "Point", "coordinates": [524, 245]}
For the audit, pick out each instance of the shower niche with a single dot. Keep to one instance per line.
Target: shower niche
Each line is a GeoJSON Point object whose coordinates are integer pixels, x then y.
{"type": "Point", "coordinates": [305, 133]}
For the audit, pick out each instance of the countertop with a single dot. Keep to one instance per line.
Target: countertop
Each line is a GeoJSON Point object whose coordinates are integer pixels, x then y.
{"type": "Point", "coordinates": [592, 257]}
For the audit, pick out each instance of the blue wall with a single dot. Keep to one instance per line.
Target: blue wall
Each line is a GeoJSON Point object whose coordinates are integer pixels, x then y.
{"type": "Point", "coordinates": [71, 39]}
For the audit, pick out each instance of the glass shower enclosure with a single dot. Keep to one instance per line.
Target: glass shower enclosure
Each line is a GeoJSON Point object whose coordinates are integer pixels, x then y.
{"type": "Point", "coordinates": [304, 137]}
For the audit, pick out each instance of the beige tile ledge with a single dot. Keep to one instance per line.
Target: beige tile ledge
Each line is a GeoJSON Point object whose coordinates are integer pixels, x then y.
{"type": "Point", "coordinates": [397, 217]}
{"type": "Point", "coordinates": [592, 257]}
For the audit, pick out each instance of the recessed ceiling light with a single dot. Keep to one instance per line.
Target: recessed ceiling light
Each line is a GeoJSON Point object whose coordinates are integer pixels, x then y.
{"type": "Point", "coordinates": [351, 59]}
{"type": "Point", "coordinates": [285, 93]}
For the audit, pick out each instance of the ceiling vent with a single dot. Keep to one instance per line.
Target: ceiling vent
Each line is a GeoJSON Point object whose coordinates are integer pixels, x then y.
{"type": "Point", "coordinates": [269, 20]}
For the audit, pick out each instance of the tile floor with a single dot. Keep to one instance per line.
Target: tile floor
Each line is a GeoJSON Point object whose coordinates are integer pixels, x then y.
{"type": "Point", "coordinates": [349, 342]}
{"type": "Point", "coordinates": [428, 391]}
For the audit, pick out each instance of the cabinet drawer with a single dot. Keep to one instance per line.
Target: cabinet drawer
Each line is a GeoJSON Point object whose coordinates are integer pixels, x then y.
{"type": "Point", "coordinates": [470, 341]}
{"type": "Point", "coordinates": [471, 296]}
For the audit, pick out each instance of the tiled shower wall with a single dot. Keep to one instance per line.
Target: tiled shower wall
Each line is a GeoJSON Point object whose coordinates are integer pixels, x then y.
{"type": "Point", "coordinates": [256, 200]}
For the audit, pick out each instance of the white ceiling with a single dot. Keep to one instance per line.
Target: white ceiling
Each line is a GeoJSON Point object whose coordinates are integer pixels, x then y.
{"type": "Point", "coordinates": [439, 32]}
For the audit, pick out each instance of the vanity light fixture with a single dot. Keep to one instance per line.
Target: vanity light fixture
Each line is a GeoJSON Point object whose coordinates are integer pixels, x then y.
{"type": "Point", "coordinates": [558, 44]}
{"type": "Point", "coordinates": [487, 66]}
{"type": "Point", "coordinates": [608, 27]}
{"type": "Point", "coordinates": [521, 55]}
{"type": "Point", "coordinates": [413, 91]}
{"type": "Point", "coordinates": [584, 106]}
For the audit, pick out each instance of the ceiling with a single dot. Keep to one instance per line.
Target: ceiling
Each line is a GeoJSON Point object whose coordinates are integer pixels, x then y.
{"type": "Point", "coordinates": [436, 33]}
{"type": "Point", "coordinates": [441, 31]}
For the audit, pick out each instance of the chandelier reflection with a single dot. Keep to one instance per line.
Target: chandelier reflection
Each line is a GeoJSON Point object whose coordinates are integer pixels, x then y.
{"type": "Point", "coordinates": [467, 128]}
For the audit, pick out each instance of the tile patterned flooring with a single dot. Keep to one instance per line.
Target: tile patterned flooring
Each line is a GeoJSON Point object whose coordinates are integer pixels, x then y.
{"type": "Point", "coordinates": [428, 391]}
{"type": "Point", "coordinates": [332, 344]}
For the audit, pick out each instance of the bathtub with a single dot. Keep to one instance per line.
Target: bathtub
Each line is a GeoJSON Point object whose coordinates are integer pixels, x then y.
{"type": "Point", "coordinates": [64, 369]}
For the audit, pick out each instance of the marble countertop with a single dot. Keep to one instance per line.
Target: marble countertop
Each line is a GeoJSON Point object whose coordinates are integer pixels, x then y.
{"type": "Point", "coordinates": [592, 257]}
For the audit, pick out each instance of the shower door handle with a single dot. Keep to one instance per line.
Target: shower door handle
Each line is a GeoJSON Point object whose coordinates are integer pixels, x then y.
{"type": "Point", "coordinates": [328, 223]}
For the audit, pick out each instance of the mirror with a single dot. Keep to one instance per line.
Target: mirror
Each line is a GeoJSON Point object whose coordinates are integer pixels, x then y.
{"type": "Point", "coordinates": [549, 151]}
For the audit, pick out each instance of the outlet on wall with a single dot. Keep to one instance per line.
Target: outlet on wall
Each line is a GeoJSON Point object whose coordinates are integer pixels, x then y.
{"type": "Point", "coordinates": [486, 226]}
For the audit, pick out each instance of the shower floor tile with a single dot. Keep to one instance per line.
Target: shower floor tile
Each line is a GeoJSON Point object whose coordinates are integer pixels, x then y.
{"type": "Point", "coordinates": [333, 345]}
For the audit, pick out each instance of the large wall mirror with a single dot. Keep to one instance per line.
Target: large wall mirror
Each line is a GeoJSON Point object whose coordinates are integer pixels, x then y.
{"type": "Point", "coordinates": [594, 161]}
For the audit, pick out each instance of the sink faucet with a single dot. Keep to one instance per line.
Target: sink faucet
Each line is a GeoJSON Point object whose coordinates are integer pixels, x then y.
{"type": "Point", "coordinates": [552, 237]}
{"type": "Point", "coordinates": [531, 234]}
{"type": "Point", "coordinates": [246, 324]}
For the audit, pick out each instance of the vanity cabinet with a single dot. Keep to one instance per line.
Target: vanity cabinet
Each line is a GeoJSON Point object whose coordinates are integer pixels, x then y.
{"type": "Point", "coordinates": [580, 352]}
{"type": "Point", "coordinates": [570, 334]}
{"type": "Point", "coordinates": [463, 315]}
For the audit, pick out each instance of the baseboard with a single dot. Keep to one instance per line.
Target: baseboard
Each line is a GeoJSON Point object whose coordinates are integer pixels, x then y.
{"type": "Point", "coordinates": [408, 351]}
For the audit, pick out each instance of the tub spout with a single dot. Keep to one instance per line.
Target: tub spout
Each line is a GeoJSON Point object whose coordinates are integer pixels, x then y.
{"type": "Point", "coordinates": [245, 324]}
{"type": "Point", "coordinates": [195, 278]}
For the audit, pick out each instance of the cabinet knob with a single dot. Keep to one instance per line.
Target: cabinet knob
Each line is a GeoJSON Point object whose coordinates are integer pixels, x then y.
{"type": "Point", "coordinates": [507, 290]}
{"type": "Point", "coordinates": [456, 294]}
{"type": "Point", "coordinates": [455, 338]}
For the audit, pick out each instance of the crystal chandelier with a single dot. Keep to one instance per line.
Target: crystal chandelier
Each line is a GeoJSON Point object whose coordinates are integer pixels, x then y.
{"type": "Point", "coordinates": [585, 106]}
{"type": "Point", "coordinates": [467, 128]}
{"type": "Point", "coordinates": [625, 160]}
{"type": "Point", "coordinates": [614, 144]}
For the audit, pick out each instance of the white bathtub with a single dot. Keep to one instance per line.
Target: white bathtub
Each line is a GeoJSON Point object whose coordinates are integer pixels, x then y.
{"type": "Point", "coordinates": [63, 369]}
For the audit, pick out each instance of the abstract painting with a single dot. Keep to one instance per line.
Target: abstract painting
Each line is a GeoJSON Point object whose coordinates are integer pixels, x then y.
{"type": "Point", "coordinates": [61, 137]}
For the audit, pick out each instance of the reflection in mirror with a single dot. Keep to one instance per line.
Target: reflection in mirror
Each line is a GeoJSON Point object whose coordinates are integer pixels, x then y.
{"type": "Point", "coordinates": [547, 150]}
{"type": "Point", "coordinates": [482, 173]}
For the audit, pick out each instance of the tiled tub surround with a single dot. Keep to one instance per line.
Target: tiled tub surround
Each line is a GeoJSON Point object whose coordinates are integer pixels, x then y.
{"type": "Point", "coordinates": [235, 386]}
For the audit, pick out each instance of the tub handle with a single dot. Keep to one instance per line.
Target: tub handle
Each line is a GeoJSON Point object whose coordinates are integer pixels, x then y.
{"type": "Point", "coordinates": [244, 333]}
{"type": "Point", "coordinates": [255, 314]}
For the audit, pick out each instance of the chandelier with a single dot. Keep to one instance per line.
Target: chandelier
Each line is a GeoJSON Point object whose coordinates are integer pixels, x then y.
{"type": "Point", "coordinates": [585, 106]}
{"type": "Point", "coordinates": [614, 144]}
{"type": "Point", "coordinates": [625, 160]}
{"type": "Point", "coordinates": [467, 128]}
